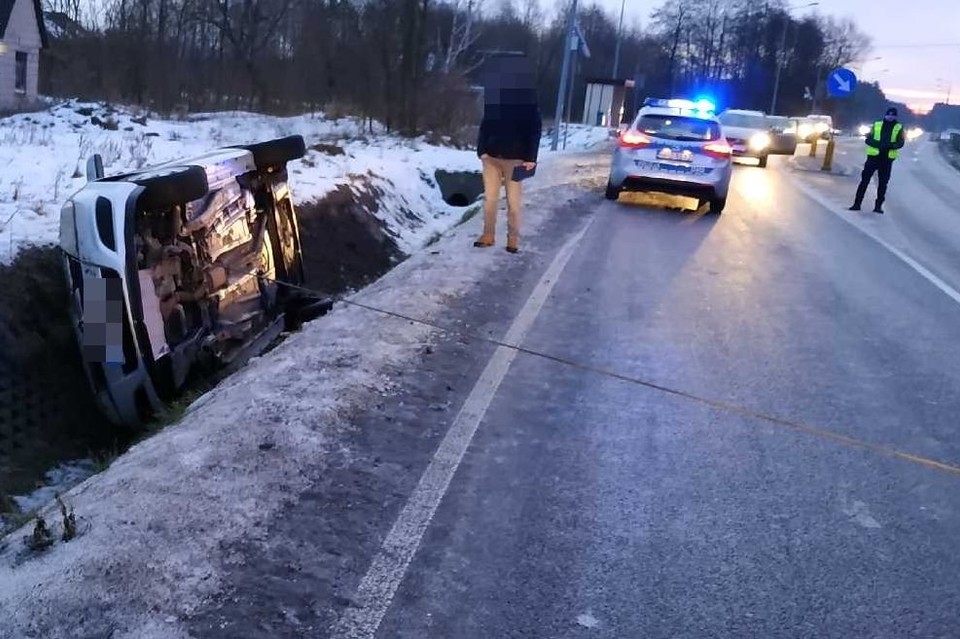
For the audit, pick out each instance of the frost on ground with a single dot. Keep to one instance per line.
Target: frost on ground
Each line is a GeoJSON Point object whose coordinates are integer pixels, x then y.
{"type": "Point", "coordinates": [152, 527]}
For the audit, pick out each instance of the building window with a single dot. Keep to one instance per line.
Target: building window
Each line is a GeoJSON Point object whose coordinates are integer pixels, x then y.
{"type": "Point", "coordinates": [21, 73]}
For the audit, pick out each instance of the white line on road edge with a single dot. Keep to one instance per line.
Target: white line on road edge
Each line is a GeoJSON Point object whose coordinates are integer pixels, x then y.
{"type": "Point", "coordinates": [906, 259]}
{"type": "Point", "coordinates": [379, 585]}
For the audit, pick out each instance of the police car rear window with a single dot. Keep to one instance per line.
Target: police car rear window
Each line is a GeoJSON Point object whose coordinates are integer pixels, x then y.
{"type": "Point", "coordinates": [744, 120]}
{"type": "Point", "coordinates": [679, 128]}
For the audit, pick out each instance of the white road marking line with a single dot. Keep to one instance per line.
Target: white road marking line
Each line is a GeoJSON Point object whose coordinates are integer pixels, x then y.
{"type": "Point", "coordinates": [379, 585]}
{"type": "Point", "coordinates": [906, 259]}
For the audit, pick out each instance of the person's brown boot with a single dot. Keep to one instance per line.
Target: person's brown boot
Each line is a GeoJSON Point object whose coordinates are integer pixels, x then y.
{"type": "Point", "coordinates": [485, 241]}
{"type": "Point", "coordinates": [513, 245]}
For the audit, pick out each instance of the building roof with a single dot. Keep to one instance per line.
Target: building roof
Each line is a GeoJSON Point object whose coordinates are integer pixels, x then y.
{"type": "Point", "coordinates": [6, 10]}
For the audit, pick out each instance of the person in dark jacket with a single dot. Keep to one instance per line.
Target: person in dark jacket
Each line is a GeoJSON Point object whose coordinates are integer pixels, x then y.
{"type": "Point", "coordinates": [884, 141]}
{"type": "Point", "coordinates": [509, 138]}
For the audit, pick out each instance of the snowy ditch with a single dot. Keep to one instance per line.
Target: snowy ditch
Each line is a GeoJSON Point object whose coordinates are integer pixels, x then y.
{"type": "Point", "coordinates": [365, 203]}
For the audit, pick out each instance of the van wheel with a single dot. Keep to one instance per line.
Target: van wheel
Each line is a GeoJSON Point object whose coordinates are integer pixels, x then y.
{"type": "Point", "coordinates": [763, 162]}
{"type": "Point", "coordinates": [277, 152]}
{"type": "Point", "coordinates": [612, 193]}
{"type": "Point", "coordinates": [171, 187]}
{"type": "Point", "coordinates": [717, 205]}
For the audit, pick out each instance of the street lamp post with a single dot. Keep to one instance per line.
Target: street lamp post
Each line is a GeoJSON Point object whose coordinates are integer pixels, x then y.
{"type": "Point", "coordinates": [941, 83]}
{"type": "Point", "coordinates": [564, 72]}
{"type": "Point", "coordinates": [616, 53]}
{"type": "Point", "coordinates": [781, 54]}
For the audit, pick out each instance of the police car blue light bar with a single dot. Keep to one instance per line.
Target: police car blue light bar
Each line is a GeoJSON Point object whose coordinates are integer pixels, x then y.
{"type": "Point", "coordinates": [701, 105]}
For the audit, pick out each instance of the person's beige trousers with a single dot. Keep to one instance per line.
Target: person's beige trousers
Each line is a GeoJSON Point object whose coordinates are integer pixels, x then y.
{"type": "Point", "coordinates": [497, 173]}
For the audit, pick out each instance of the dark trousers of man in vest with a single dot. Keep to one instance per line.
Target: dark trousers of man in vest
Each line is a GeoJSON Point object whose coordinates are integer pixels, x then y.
{"type": "Point", "coordinates": [883, 167]}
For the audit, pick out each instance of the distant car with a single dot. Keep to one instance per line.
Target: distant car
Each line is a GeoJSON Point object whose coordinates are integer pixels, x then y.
{"type": "Point", "coordinates": [674, 147]}
{"type": "Point", "coordinates": [814, 127]}
{"type": "Point", "coordinates": [748, 133]}
{"type": "Point", "coordinates": [176, 265]}
{"type": "Point", "coordinates": [783, 131]}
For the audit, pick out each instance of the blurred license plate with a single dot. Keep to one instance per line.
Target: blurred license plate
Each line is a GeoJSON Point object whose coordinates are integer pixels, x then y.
{"type": "Point", "coordinates": [102, 320]}
{"type": "Point", "coordinates": [662, 167]}
{"type": "Point", "coordinates": [676, 155]}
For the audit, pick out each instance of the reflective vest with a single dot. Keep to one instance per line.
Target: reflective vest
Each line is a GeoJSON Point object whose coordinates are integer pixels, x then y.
{"type": "Point", "coordinates": [893, 154]}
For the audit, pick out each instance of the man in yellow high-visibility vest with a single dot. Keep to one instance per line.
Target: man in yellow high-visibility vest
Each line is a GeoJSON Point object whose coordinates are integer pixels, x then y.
{"type": "Point", "coordinates": [884, 141]}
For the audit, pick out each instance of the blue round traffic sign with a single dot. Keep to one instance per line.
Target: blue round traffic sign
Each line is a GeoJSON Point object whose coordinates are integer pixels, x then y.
{"type": "Point", "coordinates": [841, 82]}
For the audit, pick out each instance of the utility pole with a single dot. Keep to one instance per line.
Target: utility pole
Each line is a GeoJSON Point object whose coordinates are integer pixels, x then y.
{"type": "Point", "coordinates": [616, 54]}
{"type": "Point", "coordinates": [782, 53]}
{"type": "Point", "coordinates": [564, 72]}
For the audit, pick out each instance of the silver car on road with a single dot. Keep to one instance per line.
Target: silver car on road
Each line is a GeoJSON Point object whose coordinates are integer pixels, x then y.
{"type": "Point", "coordinates": [675, 147]}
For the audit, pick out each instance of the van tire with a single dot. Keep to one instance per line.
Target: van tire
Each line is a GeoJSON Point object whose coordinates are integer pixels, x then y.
{"type": "Point", "coordinates": [179, 185]}
{"type": "Point", "coordinates": [276, 153]}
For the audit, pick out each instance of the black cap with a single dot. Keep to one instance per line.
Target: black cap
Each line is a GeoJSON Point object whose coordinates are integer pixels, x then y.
{"type": "Point", "coordinates": [892, 111]}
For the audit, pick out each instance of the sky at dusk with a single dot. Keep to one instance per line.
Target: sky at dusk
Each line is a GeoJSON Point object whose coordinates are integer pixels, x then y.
{"type": "Point", "coordinates": [909, 70]}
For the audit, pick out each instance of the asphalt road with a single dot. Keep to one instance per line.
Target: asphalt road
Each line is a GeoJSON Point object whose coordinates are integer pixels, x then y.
{"type": "Point", "coordinates": [742, 426]}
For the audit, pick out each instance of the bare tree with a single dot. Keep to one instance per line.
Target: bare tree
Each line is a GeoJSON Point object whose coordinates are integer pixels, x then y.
{"type": "Point", "coordinates": [463, 32]}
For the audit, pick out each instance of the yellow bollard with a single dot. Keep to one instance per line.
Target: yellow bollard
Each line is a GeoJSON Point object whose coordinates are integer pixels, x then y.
{"type": "Point", "coordinates": [813, 147]}
{"type": "Point", "coordinates": [828, 156]}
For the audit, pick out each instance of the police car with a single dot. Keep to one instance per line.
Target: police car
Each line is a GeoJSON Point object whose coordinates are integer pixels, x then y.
{"type": "Point", "coordinates": [675, 147]}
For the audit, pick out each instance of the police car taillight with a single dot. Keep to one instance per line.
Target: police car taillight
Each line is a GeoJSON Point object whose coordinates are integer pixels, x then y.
{"type": "Point", "coordinates": [634, 140]}
{"type": "Point", "coordinates": [719, 150]}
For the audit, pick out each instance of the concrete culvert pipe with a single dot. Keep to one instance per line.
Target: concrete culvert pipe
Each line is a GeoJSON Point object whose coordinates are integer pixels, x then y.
{"type": "Point", "coordinates": [460, 188]}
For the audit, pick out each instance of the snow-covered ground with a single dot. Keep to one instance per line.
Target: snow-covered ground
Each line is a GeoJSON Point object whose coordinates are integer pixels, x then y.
{"type": "Point", "coordinates": [43, 157]}
{"type": "Point", "coordinates": [154, 525]}
{"type": "Point", "coordinates": [577, 137]}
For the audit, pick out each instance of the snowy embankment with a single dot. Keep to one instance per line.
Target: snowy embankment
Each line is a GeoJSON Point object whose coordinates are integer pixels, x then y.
{"type": "Point", "coordinates": [43, 156]}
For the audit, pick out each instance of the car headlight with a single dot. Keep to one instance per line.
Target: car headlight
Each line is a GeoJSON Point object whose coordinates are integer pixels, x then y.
{"type": "Point", "coordinates": [68, 229]}
{"type": "Point", "coordinates": [760, 141]}
{"type": "Point", "coordinates": [864, 129]}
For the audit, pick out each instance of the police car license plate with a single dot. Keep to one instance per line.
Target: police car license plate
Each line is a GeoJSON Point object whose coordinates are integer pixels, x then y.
{"type": "Point", "coordinates": [662, 167]}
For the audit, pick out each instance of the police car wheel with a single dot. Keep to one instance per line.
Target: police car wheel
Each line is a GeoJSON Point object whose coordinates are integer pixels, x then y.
{"type": "Point", "coordinates": [277, 152]}
{"type": "Point", "coordinates": [612, 193]}
{"type": "Point", "coordinates": [176, 186]}
{"type": "Point", "coordinates": [717, 205]}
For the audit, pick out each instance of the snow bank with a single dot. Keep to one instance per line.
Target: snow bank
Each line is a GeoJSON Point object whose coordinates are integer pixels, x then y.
{"type": "Point", "coordinates": [578, 138]}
